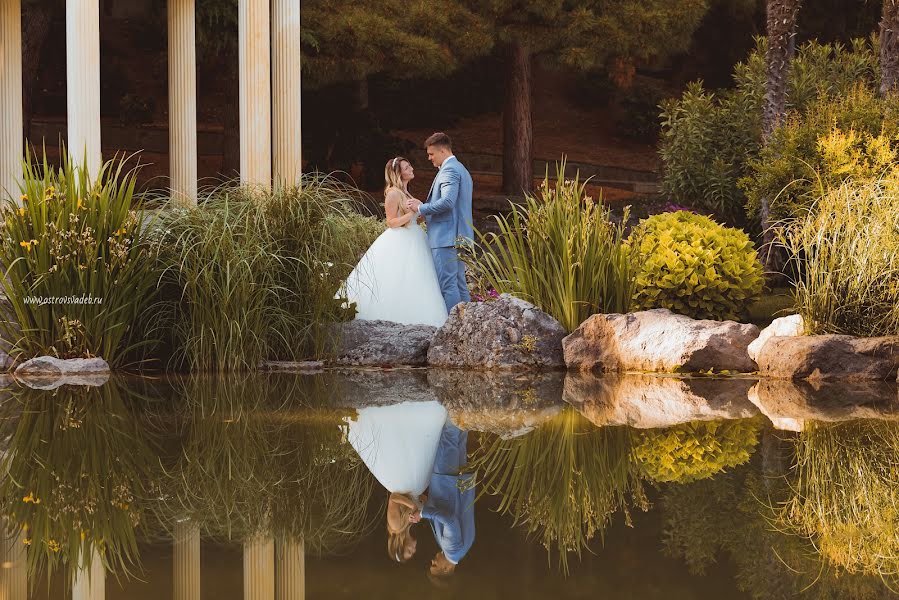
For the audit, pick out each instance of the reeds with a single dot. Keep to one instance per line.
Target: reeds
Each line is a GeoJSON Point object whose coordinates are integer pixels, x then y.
{"type": "Point", "coordinates": [561, 252]}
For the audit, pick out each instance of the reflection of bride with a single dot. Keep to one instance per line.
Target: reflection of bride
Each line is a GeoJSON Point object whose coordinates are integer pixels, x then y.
{"type": "Point", "coordinates": [398, 444]}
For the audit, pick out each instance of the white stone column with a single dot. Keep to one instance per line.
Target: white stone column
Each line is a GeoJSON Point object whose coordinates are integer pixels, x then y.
{"type": "Point", "coordinates": [13, 568]}
{"type": "Point", "coordinates": [254, 43]}
{"type": "Point", "coordinates": [287, 161]}
{"type": "Point", "coordinates": [259, 569]}
{"type": "Point", "coordinates": [11, 125]}
{"type": "Point", "coordinates": [186, 561]}
{"type": "Point", "coordinates": [183, 101]}
{"type": "Point", "coordinates": [90, 584]}
{"type": "Point", "coordinates": [290, 572]}
{"type": "Point", "coordinates": [83, 81]}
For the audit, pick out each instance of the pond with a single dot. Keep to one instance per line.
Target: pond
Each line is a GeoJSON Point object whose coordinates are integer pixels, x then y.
{"type": "Point", "coordinates": [542, 485]}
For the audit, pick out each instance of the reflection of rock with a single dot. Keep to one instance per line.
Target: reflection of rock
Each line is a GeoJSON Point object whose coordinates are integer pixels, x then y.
{"type": "Point", "coordinates": [789, 326]}
{"type": "Point", "coordinates": [43, 382]}
{"type": "Point", "coordinates": [653, 401]}
{"type": "Point", "coordinates": [381, 343]}
{"type": "Point", "coordinates": [830, 356]}
{"type": "Point", "coordinates": [358, 388]}
{"type": "Point", "coordinates": [505, 404]}
{"type": "Point", "coordinates": [789, 404]}
{"type": "Point", "coordinates": [286, 366]}
{"type": "Point", "coordinates": [506, 334]}
{"type": "Point", "coordinates": [658, 340]}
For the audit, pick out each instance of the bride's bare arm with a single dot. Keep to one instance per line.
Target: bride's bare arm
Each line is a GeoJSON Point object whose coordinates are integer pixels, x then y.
{"type": "Point", "coordinates": [391, 204]}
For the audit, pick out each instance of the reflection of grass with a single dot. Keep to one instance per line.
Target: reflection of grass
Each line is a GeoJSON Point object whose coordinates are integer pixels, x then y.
{"type": "Point", "coordinates": [74, 474]}
{"type": "Point", "coordinates": [845, 494]}
{"type": "Point", "coordinates": [245, 467]}
{"type": "Point", "coordinates": [563, 481]}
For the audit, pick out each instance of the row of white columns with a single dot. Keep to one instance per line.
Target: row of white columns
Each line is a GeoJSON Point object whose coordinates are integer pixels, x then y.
{"type": "Point", "coordinates": [269, 56]}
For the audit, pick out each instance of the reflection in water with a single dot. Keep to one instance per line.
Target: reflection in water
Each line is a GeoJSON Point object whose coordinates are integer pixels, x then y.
{"type": "Point", "coordinates": [844, 494]}
{"type": "Point", "coordinates": [564, 481]}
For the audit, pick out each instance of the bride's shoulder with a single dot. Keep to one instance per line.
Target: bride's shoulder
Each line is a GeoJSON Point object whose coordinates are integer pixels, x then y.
{"type": "Point", "coordinates": [393, 190]}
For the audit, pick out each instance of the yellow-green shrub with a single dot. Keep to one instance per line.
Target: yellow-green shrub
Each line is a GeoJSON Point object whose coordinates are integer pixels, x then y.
{"type": "Point", "coordinates": [695, 450]}
{"type": "Point", "coordinates": [694, 266]}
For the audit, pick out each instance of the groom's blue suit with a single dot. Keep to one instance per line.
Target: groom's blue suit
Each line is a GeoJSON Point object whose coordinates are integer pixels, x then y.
{"type": "Point", "coordinates": [447, 212]}
{"type": "Point", "coordinates": [450, 508]}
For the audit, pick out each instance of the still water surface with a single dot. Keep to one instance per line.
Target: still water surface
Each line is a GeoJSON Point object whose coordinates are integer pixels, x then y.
{"type": "Point", "coordinates": [539, 486]}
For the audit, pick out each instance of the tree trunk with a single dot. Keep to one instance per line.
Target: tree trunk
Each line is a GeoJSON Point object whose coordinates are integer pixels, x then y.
{"type": "Point", "coordinates": [36, 19]}
{"type": "Point", "coordinates": [781, 48]}
{"type": "Point", "coordinates": [518, 136]}
{"type": "Point", "coordinates": [889, 47]}
{"type": "Point", "coordinates": [231, 123]}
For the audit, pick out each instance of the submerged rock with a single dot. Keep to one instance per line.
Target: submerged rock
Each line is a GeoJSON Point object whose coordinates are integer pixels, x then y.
{"type": "Point", "coordinates": [657, 401]}
{"type": "Point", "coordinates": [381, 343]}
{"type": "Point", "coordinates": [790, 326]}
{"type": "Point", "coordinates": [504, 404]}
{"type": "Point", "coordinates": [659, 340]}
{"type": "Point", "coordinates": [505, 334]}
{"type": "Point", "coordinates": [790, 404]}
{"type": "Point", "coordinates": [830, 357]}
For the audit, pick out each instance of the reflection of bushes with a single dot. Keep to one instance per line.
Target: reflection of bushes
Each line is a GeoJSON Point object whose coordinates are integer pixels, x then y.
{"type": "Point", "coordinates": [74, 476]}
{"type": "Point", "coordinates": [249, 463]}
{"type": "Point", "coordinates": [845, 494]}
{"type": "Point", "coordinates": [695, 450]}
{"type": "Point", "coordinates": [563, 481]}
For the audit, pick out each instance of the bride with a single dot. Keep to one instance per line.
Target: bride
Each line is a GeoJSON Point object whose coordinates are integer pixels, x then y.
{"type": "Point", "coordinates": [398, 443]}
{"type": "Point", "coordinates": [396, 280]}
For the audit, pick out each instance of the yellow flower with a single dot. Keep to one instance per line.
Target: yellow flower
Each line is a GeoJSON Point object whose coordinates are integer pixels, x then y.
{"type": "Point", "coordinates": [21, 212]}
{"type": "Point", "coordinates": [53, 545]}
{"type": "Point", "coordinates": [31, 498]}
{"type": "Point", "coordinates": [26, 541]}
{"type": "Point", "coordinates": [80, 203]}
{"type": "Point", "coordinates": [121, 231]}
{"type": "Point", "coordinates": [24, 197]}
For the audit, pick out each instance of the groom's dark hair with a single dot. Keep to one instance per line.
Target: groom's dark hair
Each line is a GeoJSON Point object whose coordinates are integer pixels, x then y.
{"type": "Point", "coordinates": [439, 139]}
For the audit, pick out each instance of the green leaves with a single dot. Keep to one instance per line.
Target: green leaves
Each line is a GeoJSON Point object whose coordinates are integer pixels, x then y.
{"type": "Point", "coordinates": [694, 266]}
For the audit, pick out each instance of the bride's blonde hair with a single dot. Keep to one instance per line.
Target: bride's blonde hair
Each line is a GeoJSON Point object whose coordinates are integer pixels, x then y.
{"type": "Point", "coordinates": [392, 177]}
{"type": "Point", "coordinates": [398, 539]}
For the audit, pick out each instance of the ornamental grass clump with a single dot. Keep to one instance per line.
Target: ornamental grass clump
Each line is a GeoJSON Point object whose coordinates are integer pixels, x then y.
{"type": "Point", "coordinates": [560, 251]}
{"type": "Point", "coordinates": [844, 257]}
{"type": "Point", "coordinates": [79, 270]}
{"type": "Point", "coordinates": [563, 481]}
{"type": "Point", "coordinates": [845, 494]}
{"type": "Point", "coordinates": [694, 266]}
{"type": "Point", "coordinates": [696, 450]}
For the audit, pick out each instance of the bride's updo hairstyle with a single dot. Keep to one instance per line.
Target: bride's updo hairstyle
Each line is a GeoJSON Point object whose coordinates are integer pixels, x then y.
{"type": "Point", "coordinates": [392, 173]}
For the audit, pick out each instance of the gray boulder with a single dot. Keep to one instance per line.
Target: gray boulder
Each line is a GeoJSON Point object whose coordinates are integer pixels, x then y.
{"type": "Point", "coordinates": [830, 357]}
{"type": "Point", "coordinates": [508, 333]}
{"type": "Point", "coordinates": [659, 340]}
{"type": "Point", "coordinates": [380, 343]}
{"type": "Point", "coordinates": [49, 373]}
{"type": "Point", "coordinates": [789, 326]}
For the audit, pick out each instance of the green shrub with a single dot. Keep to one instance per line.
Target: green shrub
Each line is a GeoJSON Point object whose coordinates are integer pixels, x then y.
{"type": "Point", "coordinates": [708, 139]}
{"type": "Point", "coordinates": [639, 107]}
{"type": "Point", "coordinates": [561, 252]}
{"type": "Point", "coordinates": [696, 450]}
{"type": "Point", "coordinates": [690, 264]}
{"type": "Point", "coordinates": [251, 275]}
{"type": "Point", "coordinates": [845, 254]}
{"type": "Point", "coordinates": [72, 235]}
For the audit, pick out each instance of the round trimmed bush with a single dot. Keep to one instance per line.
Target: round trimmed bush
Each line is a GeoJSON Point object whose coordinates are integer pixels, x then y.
{"type": "Point", "coordinates": [695, 450]}
{"type": "Point", "coordinates": [694, 266]}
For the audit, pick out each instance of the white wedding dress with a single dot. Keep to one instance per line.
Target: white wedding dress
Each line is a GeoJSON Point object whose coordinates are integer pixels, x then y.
{"type": "Point", "coordinates": [396, 280]}
{"type": "Point", "coordinates": [398, 443]}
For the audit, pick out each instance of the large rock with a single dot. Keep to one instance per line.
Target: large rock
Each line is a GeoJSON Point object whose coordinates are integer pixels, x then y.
{"type": "Point", "coordinates": [498, 402]}
{"type": "Point", "coordinates": [659, 340]}
{"type": "Point", "coordinates": [657, 401]}
{"type": "Point", "coordinates": [790, 326]}
{"type": "Point", "coordinates": [790, 405]}
{"type": "Point", "coordinates": [830, 357]}
{"type": "Point", "coordinates": [51, 366]}
{"type": "Point", "coordinates": [505, 334]}
{"type": "Point", "coordinates": [381, 343]}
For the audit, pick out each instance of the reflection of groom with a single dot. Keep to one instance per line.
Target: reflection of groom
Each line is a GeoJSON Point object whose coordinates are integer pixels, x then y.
{"type": "Point", "coordinates": [450, 502]}
{"type": "Point", "coordinates": [447, 212]}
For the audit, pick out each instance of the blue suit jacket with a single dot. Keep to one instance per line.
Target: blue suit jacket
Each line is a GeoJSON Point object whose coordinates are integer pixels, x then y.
{"type": "Point", "coordinates": [447, 210]}
{"type": "Point", "coordinates": [449, 508]}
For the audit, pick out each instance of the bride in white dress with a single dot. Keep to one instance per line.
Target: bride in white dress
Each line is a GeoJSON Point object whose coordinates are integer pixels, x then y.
{"type": "Point", "coordinates": [396, 280]}
{"type": "Point", "coordinates": [398, 444]}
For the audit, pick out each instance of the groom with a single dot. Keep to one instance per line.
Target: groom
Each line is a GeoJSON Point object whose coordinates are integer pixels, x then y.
{"type": "Point", "coordinates": [447, 212]}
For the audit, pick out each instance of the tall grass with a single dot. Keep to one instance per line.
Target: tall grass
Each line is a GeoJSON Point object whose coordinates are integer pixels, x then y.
{"type": "Point", "coordinates": [845, 254]}
{"type": "Point", "coordinates": [70, 234]}
{"type": "Point", "coordinates": [563, 481]}
{"type": "Point", "coordinates": [845, 495]}
{"type": "Point", "coordinates": [561, 252]}
{"type": "Point", "coordinates": [251, 275]}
